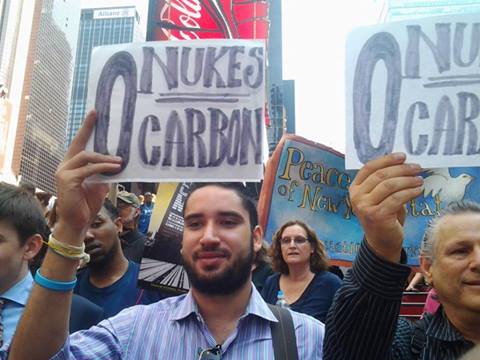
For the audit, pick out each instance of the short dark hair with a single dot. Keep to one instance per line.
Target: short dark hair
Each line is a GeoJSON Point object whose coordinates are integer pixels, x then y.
{"type": "Point", "coordinates": [27, 186]}
{"type": "Point", "coordinates": [21, 210]}
{"type": "Point", "coordinates": [261, 256]}
{"type": "Point", "coordinates": [247, 201]}
{"type": "Point", "coordinates": [111, 209]}
{"type": "Point", "coordinates": [43, 197]}
{"type": "Point", "coordinates": [318, 259]}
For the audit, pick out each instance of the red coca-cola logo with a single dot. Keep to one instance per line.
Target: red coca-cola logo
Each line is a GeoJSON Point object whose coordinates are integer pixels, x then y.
{"type": "Point", "coordinates": [203, 19]}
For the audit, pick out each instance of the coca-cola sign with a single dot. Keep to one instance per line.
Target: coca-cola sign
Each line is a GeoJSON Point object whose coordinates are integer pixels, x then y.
{"type": "Point", "coordinates": [203, 19]}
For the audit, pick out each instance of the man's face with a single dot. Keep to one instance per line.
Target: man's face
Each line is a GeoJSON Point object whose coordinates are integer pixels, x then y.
{"type": "Point", "coordinates": [148, 198]}
{"type": "Point", "coordinates": [217, 246]}
{"type": "Point", "coordinates": [102, 240]}
{"type": "Point", "coordinates": [455, 271]}
{"type": "Point", "coordinates": [12, 260]}
{"type": "Point", "coordinates": [127, 212]}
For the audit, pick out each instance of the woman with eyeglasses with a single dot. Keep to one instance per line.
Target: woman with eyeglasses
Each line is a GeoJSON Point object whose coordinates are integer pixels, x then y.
{"type": "Point", "coordinates": [301, 263]}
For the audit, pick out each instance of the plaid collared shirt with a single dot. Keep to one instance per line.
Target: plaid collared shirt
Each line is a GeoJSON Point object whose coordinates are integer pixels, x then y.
{"type": "Point", "coordinates": [174, 329]}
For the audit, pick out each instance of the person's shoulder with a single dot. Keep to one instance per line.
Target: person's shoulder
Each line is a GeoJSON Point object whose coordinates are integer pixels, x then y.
{"type": "Point", "coordinates": [327, 276]}
{"type": "Point", "coordinates": [273, 278]}
{"type": "Point", "coordinates": [133, 266]}
{"type": "Point", "coordinates": [133, 237]}
{"type": "Point", "coordinates": [159, 309]}
{"type": "Point", "coordinates": [82, 274]}
{"type": "Point", "coordinates": [80, 303]}
{"type": "Point", "coordinates": [164, 305]}
{"type": "Point", "coordinates": [270, 282]}
{"type": "Point", "coordinates": [307, 326]}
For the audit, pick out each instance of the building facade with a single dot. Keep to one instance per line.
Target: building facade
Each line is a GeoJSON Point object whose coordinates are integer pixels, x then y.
{"type": "Point", "coordinates": [10, 30]}
{"type": "Point", "coordinates": [104, 26]}
{"type": "Point", "coordinates": [40, 86]}
{"type": "Point", "coordinates": [396, 10]}
{"type": "Point", "coordinates": [281, 93]}
{"type": "Point", "coordinates": [10, 15]}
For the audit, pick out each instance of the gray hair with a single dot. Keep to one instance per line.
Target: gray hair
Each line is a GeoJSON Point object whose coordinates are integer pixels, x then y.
{"type": "Point", "coordinates": [429, 241]}
{"type": "Point", "coordinates": [472, 354]}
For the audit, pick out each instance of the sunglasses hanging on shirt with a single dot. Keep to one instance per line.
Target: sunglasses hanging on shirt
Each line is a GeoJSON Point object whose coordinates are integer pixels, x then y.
{"type": "Point", "coordinates": [210, 354]}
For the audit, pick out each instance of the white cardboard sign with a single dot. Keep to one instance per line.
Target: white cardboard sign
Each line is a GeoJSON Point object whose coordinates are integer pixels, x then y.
{"type": "Point", "coordinates": [180, 110]}
{"type": "Point", "coordinates": [414, 86]}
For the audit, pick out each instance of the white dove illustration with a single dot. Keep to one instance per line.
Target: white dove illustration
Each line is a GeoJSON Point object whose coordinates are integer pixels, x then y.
{"type": "Point", "coordinates": [449, 188]}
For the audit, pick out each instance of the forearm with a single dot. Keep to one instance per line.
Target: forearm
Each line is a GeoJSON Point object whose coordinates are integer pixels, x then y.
{"type": "Point", "coordinates": [44, 325]}
{"type": "Point", "coordinates": [416, 280]}
{"type": "Point", "coordinates": [363, 318]}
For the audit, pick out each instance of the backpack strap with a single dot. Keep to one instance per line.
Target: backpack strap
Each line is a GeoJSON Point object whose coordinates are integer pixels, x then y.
{"type": "Point", "coordinates": [419, 338]}
{"type": "Point", "coordinates": [283, 334]}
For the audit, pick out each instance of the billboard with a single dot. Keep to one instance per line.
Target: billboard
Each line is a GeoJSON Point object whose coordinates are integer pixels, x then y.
{"type": "Point", "coordinates": [203, 19]}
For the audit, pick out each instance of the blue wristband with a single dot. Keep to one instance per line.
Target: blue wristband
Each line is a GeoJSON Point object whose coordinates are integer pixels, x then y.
{"type": "Point", "coordinates": [52, 284]}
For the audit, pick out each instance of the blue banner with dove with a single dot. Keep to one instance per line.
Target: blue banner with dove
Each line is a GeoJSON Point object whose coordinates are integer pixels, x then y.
{"type": "Point", "coordinates": [308, 181]}
{"type": "Point", "coordinates": [441, 187]}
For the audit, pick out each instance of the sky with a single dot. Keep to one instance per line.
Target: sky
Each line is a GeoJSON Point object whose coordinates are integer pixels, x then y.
{"type": "Point", "coordinates": [314, 56]}
{"type": "Point", "coordinates": [314, 35]}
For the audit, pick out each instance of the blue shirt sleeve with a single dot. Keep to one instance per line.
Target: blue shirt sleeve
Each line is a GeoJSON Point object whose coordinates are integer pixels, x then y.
{"type": "Point", "coordinates": [99, 342]}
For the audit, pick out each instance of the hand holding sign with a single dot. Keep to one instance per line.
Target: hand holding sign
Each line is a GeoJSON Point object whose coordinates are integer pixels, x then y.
{"type": "Point", "coordinates": [378, 194]}
{"type": "Point", "coordinates": [412, 86]}
{"type": "Point", "coordinates": [79, 201]}
{"type": "Point", "coordinates": [180, 110]}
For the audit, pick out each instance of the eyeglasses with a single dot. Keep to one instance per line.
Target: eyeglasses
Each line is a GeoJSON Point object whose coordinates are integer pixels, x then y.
{"type": "Point", "coordinates": [298, 240]}
{"type": "Point", "coordinates": [210, 354]}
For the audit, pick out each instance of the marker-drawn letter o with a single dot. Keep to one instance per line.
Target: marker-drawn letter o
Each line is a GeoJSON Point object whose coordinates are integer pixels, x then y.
{"type": "Point", "coordinates": [120, 64]}
{"type": "Point", "coordinates": [381, 46]}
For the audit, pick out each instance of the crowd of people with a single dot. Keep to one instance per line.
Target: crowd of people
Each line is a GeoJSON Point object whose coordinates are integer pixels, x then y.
{"type": "Point", "coordinates": [68, 288]}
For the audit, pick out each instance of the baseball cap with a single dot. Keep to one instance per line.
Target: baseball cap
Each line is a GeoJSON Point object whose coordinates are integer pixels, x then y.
{"type": "Point", "coordinates": [129, 198]}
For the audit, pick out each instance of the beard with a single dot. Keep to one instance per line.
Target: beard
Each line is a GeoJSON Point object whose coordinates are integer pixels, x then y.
{"type": "Point", "coordinates": [100, 261]}
{"type": "Point", "coordinates": [225, 283]}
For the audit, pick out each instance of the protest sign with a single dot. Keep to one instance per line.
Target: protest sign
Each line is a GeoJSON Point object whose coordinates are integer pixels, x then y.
{"type": "Point", "coordinates": [308, 181]}
{"type": "Point", "coordinates": [412, 86]}
{"type": "Point", "coordinates": [161, 266]}
{"type": "Point", "coordinates": [180, 110]}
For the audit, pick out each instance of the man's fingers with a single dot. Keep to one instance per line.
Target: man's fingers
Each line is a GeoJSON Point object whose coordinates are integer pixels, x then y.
{"type": "Point", "coordinates": [389, 175]}
{"type": "Point", "coordinates": [85, 164]}
{"type": "Point", "coordinates": [80, 140]}
{"type": "Point", "coordinates": [389, 208]}
{"type": "Point", "coordinates": [377, 164]}
{"type": "Point", "coordinates": [394, 203]}
{"type": "Point", "coordinates": [391, 186]}
{"type": "Point", "coordinates": [85, 157]}
{"type": "Point", "coordinates": [93, 169]}
{"type": "Point", "coordinates": [402, 215]}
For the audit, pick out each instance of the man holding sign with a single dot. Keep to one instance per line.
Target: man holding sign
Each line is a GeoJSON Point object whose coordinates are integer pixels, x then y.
{"type": "Point", "coordinates": [362, 323]}
{"type": "Point", "coordinates": [222, 315]}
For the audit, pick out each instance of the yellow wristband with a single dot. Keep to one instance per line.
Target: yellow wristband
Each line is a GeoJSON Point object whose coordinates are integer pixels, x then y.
{"type": "Point", "coordinates": [68, 251]}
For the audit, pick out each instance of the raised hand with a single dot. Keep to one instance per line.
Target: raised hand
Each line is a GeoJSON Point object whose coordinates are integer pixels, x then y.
{"type": "Point", "coordinates": [79, 201]}
{"type": "Point", "coordinates": [378, 194]}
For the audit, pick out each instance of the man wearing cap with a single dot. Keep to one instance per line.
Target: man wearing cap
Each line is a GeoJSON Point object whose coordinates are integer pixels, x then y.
{"type": "Point", "coordinates": [132, 240]}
